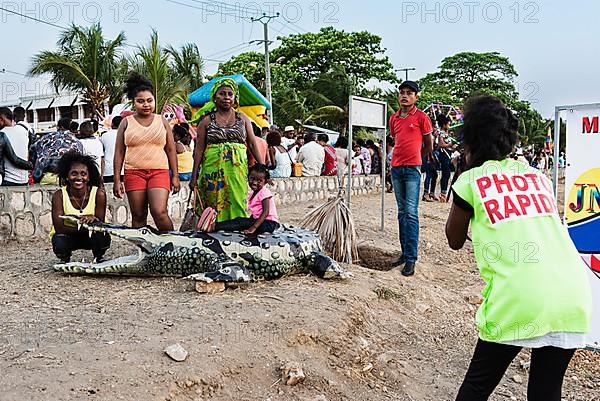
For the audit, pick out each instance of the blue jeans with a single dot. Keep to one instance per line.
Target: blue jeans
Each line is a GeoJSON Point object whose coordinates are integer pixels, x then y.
{"type": "Point", "coordinates": [446, 169]}
{"type": "Point", "coordinates": [406, 181]}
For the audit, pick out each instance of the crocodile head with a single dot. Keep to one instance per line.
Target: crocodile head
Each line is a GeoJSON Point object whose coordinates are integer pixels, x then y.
{"type": "Point", "coordinates": [148, 241]}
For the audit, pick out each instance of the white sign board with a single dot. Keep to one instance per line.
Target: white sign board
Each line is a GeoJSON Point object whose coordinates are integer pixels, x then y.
{"type": "Point", "coordinates": [582, 197]}
{"type": "Point", "coordinates": [368, 112]}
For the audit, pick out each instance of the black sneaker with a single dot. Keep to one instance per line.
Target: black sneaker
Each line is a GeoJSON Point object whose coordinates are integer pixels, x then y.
{"type": "Point", "coordinates": [409, 269]}
{"type": "Point", "coordinates": [399, 262]}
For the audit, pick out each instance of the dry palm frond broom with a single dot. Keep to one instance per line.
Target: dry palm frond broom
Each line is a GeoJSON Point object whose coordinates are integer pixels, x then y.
{"type": "Point", "coordinates": [333, 221]}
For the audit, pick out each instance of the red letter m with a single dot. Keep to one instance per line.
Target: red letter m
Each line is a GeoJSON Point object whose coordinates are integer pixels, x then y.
{"type": "Point", "coordinates": [589, 127]}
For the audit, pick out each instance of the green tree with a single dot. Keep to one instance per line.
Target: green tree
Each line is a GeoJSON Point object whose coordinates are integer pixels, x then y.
{"type": "Point", "coordinates": [85, 62]}
{"type": "Point", "coordinates": [469, 73]}
{"type": "Point", "coordinates": [302, 58]}
{"type": "Point", "coordinates": [187, 62]}
{"type": "Point", "coordinates": [154, 63]}
{"type": "Point", "coordinates": [327, 98]}
{"type": "Point", "coordinates": [115, 89]}
{"type": "Point", "coordinates": [291, 106]}
{"type": "Point", "coordinates": [434, 92]}
{"type": "Point", "coordinates": [533, 129]}
{"type": "Point", "coordinates": [251, 64]}
{"type": "Point", "coordinates": [305, 56]}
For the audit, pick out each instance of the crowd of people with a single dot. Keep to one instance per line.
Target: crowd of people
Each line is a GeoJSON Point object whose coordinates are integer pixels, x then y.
{"type": "Point", "coordinates": [499, 191]}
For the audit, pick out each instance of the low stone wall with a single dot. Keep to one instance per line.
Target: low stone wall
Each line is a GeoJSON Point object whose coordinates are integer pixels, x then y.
{"type": "Point", "coordinates": [26, 212]}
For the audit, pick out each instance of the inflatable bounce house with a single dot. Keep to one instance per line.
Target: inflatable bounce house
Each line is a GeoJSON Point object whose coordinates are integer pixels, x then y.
{"type": "Point", "coordinates": [252, 102]}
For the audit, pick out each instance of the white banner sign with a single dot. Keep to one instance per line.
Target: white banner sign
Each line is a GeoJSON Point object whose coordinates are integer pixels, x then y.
{"type": "Point", "coordinates": [582, 197]}
{"type": "Point", "coordinates": [368, 112]}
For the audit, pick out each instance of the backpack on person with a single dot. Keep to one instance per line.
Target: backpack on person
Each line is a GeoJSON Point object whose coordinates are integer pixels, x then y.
{"type": "Point", "coordinates": [30, 133]}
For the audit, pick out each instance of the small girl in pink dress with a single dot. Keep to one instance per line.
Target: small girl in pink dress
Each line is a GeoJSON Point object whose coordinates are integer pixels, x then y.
{"type": "Point", "coordinates": [261, 205]}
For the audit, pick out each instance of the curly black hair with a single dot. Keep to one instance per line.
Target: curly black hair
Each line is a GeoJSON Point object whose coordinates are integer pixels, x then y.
{"type": "Point", "coordinates": [490, 129]}
{"type": "Point", "coordinates": [136, 83]}
{"type": "Point", "coordinates": [183, 131]}
{"type": "Point", "coordinates": [274, 138]}
{"type": "Point", "coordinates": [73, 156]}
{"type": "Point", "coordinates": [260, 168]}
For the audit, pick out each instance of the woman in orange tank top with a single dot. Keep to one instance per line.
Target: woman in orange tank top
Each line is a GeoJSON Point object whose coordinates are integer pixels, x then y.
{"type": "Point", "coordinates": [145, 144]}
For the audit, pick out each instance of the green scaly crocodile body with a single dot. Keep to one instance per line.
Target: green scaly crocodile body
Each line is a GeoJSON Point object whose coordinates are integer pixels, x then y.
{"type": "Point", "coordinates": [218, 256]}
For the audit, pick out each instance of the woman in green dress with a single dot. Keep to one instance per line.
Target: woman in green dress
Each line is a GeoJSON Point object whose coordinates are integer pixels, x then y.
{"type": "Point", "coordinates": [220, 152]}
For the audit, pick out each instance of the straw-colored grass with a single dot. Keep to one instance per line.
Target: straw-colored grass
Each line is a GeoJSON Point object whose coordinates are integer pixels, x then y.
{"type": "Point", "coordinates": [333, 221]}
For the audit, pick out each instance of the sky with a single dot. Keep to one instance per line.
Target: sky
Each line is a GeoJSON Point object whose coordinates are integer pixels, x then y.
{"type": "Point", "coordinates": [552, 45]}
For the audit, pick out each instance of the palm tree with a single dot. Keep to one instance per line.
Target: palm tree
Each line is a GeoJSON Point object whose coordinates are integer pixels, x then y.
{"type": "Point", "coordinates": [291, 106]}
{"type": "Point", "coordinates": [533, 129]}
{"type": "Point", "coordinates": [154, 63]}
{"type": "Point", "coordinates": [328, 97]}
{"type": "Point", "coordinates": [187, 62]}
{"type": "Point", "coordinates": [84, 62]}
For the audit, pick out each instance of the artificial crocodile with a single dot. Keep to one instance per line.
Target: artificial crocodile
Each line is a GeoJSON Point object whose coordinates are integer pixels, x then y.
{"type": "Point", "coordinates": [218, 256]}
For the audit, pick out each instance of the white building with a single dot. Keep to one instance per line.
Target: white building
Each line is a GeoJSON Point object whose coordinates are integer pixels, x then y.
{"type": "Point", "coordinates": [44, 111]}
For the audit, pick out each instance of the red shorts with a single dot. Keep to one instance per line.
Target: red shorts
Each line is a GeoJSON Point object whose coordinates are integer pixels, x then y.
{"type": "Point", "coordinates": [141, 180]}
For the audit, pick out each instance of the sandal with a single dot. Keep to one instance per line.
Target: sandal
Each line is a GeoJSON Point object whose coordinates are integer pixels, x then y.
{"type": "Point", "coordinates": [443, 198]}
{"type": "Point", "coordinates": [433, 198]}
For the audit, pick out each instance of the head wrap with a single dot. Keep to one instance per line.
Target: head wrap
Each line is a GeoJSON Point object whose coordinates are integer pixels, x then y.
{"type": "Point", "coordinates": [230, 83]}
{"type": "Point", "coordinates": [210, 106]}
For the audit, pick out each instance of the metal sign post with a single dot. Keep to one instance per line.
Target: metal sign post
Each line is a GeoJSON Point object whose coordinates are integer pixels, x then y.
{"type": "Point", "coordinates": [369, 113]}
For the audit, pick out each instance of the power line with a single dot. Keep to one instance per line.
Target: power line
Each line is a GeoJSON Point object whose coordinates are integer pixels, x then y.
{"type": "Point", "coordinates": [32, 18]}
{"type": "Point", "coordinates": [4, 70]}
{"type": "Point", "coordinates": [228, 50]}
{"type": "Point", "coordinates": [232, 55]}
{"type": "Point", "coordinates": [296, 25]}
{"type": "Point", "coordinates": [203, 9]}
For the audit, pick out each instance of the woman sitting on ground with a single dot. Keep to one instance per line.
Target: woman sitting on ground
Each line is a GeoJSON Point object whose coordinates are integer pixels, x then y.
{"type": "Point", "coordinates": [81, 195]}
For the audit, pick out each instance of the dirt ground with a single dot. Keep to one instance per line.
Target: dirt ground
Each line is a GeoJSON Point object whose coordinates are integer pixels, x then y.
{"type": "Point", "coordinates": [379, 336]}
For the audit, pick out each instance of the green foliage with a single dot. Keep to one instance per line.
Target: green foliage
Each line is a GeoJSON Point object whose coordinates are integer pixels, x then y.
{"type": "Point", "coordinates": [251, 64]}
{"type": "Point", "coordinates": [187, 62]}
{"type": "Point", "coordinates": [434, 92]}
{"type": "Point", "coordinates": [468, 73]}
{"type": "Point", "coordinates": [327, 98]}
{"type": "Point", "coordinates": [85, 62]}
{"type": "Point", "coordinates": [304, 57]}
{"type": "Point", "coordinates": [308, 55]}
{"type": "Point", "coordinates": [154, 63]}
{"type": "Point", "coordinates": [291, 105]}
{"type": "Point", "coordinates": [533, 129]}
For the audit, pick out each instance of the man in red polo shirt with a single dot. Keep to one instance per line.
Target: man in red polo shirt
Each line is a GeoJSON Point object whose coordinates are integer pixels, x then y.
{"type": "Point", "coordinates": [411, 130]}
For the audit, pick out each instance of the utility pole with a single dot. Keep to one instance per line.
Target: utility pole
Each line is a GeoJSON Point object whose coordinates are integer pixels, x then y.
{"type": "Point", "coordinates": [267, 19]}
{"type": "Point", "coordinates": [406, 70]}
